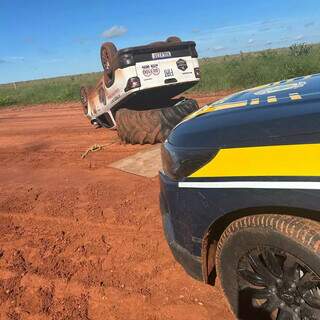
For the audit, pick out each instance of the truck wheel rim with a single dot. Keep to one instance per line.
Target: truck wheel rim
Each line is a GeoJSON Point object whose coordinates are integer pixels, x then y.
{"type": "Point", "coordinates": [279, 284]}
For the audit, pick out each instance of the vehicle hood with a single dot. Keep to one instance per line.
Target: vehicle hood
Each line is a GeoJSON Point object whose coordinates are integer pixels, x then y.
{"type": "Point", "coordinates": [272, 114]}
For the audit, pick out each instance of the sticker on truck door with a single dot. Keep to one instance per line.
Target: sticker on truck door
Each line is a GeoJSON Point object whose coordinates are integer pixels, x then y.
{"type": "Point", "coordinates": [182, 64]}
{"type": "Point", "coordinates": [146, 70]}
{"type": "Point", "coordinates": [168, 73]}
{"type": "Point", "coordinates": [149, 70]}
{"type": "Point", "coordinates": [161, 55]}
{"type": "Point", "coordinates": [155, 69]}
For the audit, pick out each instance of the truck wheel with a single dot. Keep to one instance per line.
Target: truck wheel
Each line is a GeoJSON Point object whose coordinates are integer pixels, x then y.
{"type": "Point", "coordinates": [151, 126]}
{"type": "Point", "coordinates": [107, 52]}
{"type": "Point", "coordinates": [84, 99]}
{"type": "Point", "coordinates": [269, 267]}
{"type": "Point", "coordinates": [156, 44]}
{"type": "Point", "coordinates": [174, 39]}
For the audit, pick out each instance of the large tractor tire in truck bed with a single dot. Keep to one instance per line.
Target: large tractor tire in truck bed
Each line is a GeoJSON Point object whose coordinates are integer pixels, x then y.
{"type": "Point", "coordinates": [151, 126]}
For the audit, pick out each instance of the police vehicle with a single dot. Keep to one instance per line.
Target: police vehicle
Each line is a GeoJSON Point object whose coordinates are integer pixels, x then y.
{"type": "Point", "coordinates": [240, 198]}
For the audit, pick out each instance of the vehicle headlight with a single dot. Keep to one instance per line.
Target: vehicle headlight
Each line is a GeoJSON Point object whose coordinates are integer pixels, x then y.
{"type": "Point", "coordinates": [179, 163]}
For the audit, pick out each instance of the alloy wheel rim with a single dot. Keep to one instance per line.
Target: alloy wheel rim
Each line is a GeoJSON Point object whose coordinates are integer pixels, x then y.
{"type": "Point", "coordinates": [279, 284]}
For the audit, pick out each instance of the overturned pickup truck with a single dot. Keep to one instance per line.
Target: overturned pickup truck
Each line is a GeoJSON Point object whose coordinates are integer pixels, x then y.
{"type": "Point", "coordinates": [137, 90]}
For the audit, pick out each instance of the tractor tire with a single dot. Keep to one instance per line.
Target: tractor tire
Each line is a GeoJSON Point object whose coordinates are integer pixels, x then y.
{"type": "Point", "coordinates": [107, 53]}
{"type": "Point", "coordinates": [174, 39]}
{"type": "Point", "coordinates": [151, 126]}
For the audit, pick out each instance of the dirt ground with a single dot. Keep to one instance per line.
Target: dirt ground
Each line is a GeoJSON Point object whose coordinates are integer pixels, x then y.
{"type": "Point", "coordinates": [80, 240]}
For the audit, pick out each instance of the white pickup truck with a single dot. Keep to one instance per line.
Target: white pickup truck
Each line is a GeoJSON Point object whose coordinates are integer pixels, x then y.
{"type": "Point", "coordinates": [135, 93]}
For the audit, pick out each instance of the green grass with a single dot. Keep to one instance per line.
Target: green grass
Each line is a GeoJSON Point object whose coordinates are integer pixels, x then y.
{"type": "Point", "coordinates": [220, 73]}
{"type": "Point", "coordinates": [60, 89]}
{"type": "Point", "coordinates": [252, 69]}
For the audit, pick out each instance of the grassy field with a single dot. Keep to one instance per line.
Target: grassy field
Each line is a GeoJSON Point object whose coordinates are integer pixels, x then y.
{"type": "Point", "coordinates": [59, 89]}
{"type": "Point", "coordinates": [252, 69]}
{"type": "Point", "coordinates": [220, 73]}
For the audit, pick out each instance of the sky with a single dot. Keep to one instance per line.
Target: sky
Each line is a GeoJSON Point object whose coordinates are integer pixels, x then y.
{"type": "Point", "coordinates": [42, 38]}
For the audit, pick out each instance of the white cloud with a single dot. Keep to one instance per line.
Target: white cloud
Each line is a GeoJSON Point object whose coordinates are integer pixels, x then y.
{"type": "Point", "coordinates": [268, 25]}
{"type": "Point", "coordinates": [218, 48]}
{"type": "Point", "coordinates": [16, 58]}
{"type": "Point", "coordinates": [115, 31]}
{"type": "Point", "coordinates": [11, 59]}
{"type": "Point", "coordinates": [299, 37]}
{"type": "Point", "coordinates": [265, 29]}
{"type": "Point", "coordinates": [250, 41]}
{"type": "Point", "coordinates": [310, 24]}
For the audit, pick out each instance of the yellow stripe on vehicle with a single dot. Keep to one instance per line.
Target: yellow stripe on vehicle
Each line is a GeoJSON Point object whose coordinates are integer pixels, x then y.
{"type": "Point", "coordinates": [272, 99]}
{"type": "Point", "coordinates": [295, 96]}
{"type": "Point", "coordinates": [255, 102]}
{"type": "Point", "coordinates": [217, 107]}
{"type": "Point", "coordinates": [230, 105]}
{"type": "Point", "coordinates": [203, 110]}
{"type": "Point", "coordinates": [286, 160]}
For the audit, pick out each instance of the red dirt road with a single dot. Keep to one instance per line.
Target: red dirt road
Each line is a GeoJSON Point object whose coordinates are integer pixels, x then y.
{"type": "Point", "coordinates": [80, 240]}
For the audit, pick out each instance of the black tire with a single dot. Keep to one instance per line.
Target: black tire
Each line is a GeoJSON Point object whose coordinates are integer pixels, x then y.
{"type": "Point", "coordinates": [174, 39]}
{"type": "Point", "coordinates": [156, 44]}
{"type": "Point", "coordinates": [107, 53]}
{"type": "Point", "coordinates": [151, 126]}
{"type": "Point", "coordinates": [84, 99]}
{"type": "Point", "coordinates": [269, 267]}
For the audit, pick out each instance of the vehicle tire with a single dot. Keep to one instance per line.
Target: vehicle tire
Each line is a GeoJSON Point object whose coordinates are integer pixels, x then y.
{"type": "Point", "coordinates": [156, 44]}
{"type": "Point", "coordinates": [84, 99]}
{"type": "Point", "coordinates": [107, 53]}
{"type": "Point", "coordinates": [151, 126]}
{"type": "Point", "coordinates": [174, 39]}
{"type": "Point", "coordinates": [269, 267]}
